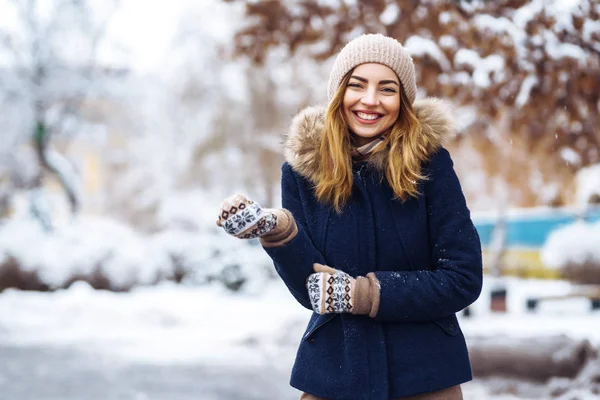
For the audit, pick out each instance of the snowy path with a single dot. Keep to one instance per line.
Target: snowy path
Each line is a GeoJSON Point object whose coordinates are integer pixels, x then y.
{"type": "Point", "coordinates": [174, 342]}
{"type": "Point", "coordinates": [55, 374]}
{"type": "Point", "coordinates": [46, 373]}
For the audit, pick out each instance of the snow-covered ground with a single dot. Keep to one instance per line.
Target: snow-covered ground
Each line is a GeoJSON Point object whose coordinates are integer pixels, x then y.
{"type": "Point", "coordinates": [572, 317]}
{"type": "Point", "coordinates": [164, 324]}
{"type": "Point", "coordinates": [174, 326]}
{"type": "Point", "coordinates": [173, 323]}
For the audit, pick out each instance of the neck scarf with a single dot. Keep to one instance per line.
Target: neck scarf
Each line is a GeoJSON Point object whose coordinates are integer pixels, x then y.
{"type": "Point", "coordinates": [362, 152]}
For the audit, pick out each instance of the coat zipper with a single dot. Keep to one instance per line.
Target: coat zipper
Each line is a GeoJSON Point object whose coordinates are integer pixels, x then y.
{"type": "Point", "coordinates": [362, 179]}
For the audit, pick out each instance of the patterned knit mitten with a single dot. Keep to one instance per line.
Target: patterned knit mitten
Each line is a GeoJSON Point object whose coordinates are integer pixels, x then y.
{"type": "Point", "coordinates": [331, 292]}
{"type": "Point", "coordinates": [245, 219]}
{"type": "Point", "coordinates": [334, 291]}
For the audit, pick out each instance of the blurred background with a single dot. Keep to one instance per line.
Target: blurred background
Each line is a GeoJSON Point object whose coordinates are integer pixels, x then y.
{"type": "Point", "coordinates": [123, 124]}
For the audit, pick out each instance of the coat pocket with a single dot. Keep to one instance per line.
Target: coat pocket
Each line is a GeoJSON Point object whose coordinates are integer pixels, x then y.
{"type": "Point", "coordinates": [448, 324]}
{"type": "Point", "coordinates": [316, 323]}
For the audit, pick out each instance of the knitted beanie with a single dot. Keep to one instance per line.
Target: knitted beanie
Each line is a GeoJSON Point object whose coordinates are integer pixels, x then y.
{"type": "Point", "coordinates": [374, 48]}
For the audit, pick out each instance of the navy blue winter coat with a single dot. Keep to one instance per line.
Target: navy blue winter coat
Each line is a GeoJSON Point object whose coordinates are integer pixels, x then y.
{"type": "Point", "coordinates": [425, 252]}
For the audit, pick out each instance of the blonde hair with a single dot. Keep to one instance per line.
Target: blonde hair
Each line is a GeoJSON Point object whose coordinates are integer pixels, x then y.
{"type": "Point", "coordinates": [408, 148]}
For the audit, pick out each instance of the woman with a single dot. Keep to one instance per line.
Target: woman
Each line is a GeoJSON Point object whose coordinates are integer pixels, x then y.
{"type": "Point", "coordinates": [375, 235]}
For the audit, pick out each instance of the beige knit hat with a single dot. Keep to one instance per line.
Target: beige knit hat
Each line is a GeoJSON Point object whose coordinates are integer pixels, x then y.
{"type": "Point", "coordinates": [374, 48]}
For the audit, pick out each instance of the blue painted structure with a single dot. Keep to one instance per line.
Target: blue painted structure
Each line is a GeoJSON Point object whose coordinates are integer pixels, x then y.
{"type": "Point", "coordinates": [530, 228]}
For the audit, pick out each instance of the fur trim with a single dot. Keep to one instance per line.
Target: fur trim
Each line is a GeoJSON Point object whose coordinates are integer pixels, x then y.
{"type": "Point", "coordinates": [302, 143]}
{"type": "Point", "coordinates": [437, 118]}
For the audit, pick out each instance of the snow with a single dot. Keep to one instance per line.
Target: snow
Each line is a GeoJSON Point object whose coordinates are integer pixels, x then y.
{"type": "Point", "coordinates": [526, 13]}
{"type": "Point", "coordinates": [163, 325]}
{"type": "Point", "coordinates": [465, 116]}
{"type": "Point", "coordinates": [196, 323]}
{"type": "Point", "coordinates": [188, 324]}
{"type": "Point", "coordinates": [483, 68]}
{"type": "Point", "coordinates": [80, 247]}
{"type": "Point", "coordinates": [65, 169]}
{"type": "Point", "coordinates": [447, 41]}
{"type": "Point", "coordinates": [419, 46]}
{"type": "Point", "coordinates": [445, 17]}
{"type": "Point", "coordinates": [499, 26]}
{"type": "Point", "coordinates": [570, 317]}
{"type": "Point", "coordinates": [88, 245]}
{"type": "Point", "coordinates": [562, 11]}
{"type": "Point", "coordinates": [390, 14]}
{"type": "Point", "coordinates": [558, 50]}
{"type": "Point", "coordinates": [590, 28]}
{"type": "Point", "coordinates": [165, 131]}
{"type": "Point", "coordinates": [523, 97]}
{"type": "Point", "coordinates": [570, 156]}
{"type": "Point", "coordinates": [587, 184]}
{"type": "Point", "coordinates": [183, 210]}
{"type": "Point", "coordinates": [576, 243]}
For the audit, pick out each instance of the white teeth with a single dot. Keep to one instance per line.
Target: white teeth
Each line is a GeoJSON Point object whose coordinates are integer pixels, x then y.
{"type": "Point", "coordinates": [367, 116]}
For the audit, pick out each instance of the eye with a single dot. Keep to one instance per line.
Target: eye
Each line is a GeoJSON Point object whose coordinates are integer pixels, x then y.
{"type": "Point", "coordinates": [355, 85]}
{"type": "Point", "coordinates": [389, 90]}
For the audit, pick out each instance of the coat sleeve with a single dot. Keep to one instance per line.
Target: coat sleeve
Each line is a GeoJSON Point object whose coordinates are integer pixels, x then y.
{"type": "Point", "coordinates": [294, 260]}
{"type": "Point", "coordinates": [453, 279]}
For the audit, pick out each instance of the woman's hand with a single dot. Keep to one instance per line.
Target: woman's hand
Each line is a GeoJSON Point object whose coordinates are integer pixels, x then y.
{"type": "Point", "coordinates": [334, 291]}
{"type": "Point", "coordinates": [330, 290]}
{"type": "Point", "coordinates": [245, 219]}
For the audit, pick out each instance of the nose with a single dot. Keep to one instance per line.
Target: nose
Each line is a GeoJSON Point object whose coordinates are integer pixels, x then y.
{"type": "Point", "coordinates": [370, 98]}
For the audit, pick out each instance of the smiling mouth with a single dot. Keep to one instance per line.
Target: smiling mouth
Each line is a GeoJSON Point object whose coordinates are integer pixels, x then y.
{"type": "Point", "coordinates": [368, 117]}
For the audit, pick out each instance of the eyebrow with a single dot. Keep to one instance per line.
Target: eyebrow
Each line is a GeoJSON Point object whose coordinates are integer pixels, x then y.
{"type": "Point", "coordinates": [384, 82]}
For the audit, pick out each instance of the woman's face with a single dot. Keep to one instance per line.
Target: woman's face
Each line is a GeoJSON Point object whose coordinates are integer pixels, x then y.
{"type": "Point", "coordinates": [371, 101]}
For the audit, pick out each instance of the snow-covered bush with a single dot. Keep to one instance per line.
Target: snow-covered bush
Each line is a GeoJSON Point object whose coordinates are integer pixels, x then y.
{"type": "Point", "coordinates": [110, 255]}
{"type": "Point", "coordinates": [214, 257]}
{"type": "Point", "coordinates": [234, 262]}
{"type": "Point", "coordinates": [575, 250]}
{"type": "Point", "coordinates": [105, 253]}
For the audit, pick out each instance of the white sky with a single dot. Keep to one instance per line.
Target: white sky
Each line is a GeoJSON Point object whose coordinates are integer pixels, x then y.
{"type": "Point", "coordinates": [139, 33]}
{"type": "Point", "coordinates": [144, 28]}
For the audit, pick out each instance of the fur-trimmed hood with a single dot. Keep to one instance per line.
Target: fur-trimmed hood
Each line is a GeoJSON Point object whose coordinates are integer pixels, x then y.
{"type": "Point", "coordinates": [301, 144]}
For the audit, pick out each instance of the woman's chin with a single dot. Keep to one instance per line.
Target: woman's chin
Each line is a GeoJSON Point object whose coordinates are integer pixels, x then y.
{"type": "Point", "coordinates": [361, 140]}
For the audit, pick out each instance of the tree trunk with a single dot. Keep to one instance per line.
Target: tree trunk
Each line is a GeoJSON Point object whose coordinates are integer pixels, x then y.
{"type": "Point", "coordinates": [41, 140]}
